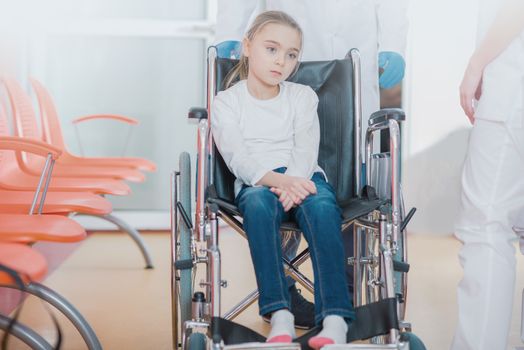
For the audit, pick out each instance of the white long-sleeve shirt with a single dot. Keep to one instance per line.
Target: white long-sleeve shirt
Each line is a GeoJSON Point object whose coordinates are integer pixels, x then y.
{"type": "Point", "coordinates": [256, 136]}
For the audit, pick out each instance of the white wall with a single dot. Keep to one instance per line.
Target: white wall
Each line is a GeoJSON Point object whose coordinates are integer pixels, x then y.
{"type": "Point", "coordinates": [138, 58]}
{"type": "Point", "coordinates": [441, 39]}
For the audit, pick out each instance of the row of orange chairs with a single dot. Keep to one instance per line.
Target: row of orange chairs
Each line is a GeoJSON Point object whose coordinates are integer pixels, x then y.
{"type": "Point", "coordinates": [39, 176]}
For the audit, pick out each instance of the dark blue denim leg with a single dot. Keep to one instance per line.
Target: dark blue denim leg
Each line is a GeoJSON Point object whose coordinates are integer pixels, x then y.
{"type": "Point", "coordinates": [320, 219]}
{"type": "Point", "coordinates": [290, 247]}
{"type": "Point", "coordinates": [262, 214]}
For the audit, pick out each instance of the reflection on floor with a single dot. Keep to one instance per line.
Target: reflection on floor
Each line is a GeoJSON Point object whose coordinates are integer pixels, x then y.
{"type": "Point", "coordinates": [129, 307]}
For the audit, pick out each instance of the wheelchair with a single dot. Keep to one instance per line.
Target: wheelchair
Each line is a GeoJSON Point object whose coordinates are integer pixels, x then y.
{"type": "Point", "coordinates": [377, 219]}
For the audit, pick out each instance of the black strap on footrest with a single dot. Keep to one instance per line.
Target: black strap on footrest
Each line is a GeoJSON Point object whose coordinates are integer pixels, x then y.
{"type": "Point", "coordinates": [400, 266]}
{"type": "Point", "coordinates": [186, 264]}
{"type": "Point", "coordinates": [371, 320]}
{"type": "Point", "coordinates": [374, 319]}
{"type": "Point", "coordinates": [234, 333]}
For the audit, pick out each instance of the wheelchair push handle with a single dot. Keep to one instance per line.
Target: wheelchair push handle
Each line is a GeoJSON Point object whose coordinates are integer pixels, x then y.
{"type": "Point", "coordinates": [386, 114]}
{"type": "Point", "coordinates": [197, 113]}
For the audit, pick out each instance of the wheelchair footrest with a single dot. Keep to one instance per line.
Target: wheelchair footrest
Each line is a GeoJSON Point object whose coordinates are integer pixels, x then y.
{"type": "Point", "coordinates": [399, 346]}
{"type": "Point", "coordinates": [234, 334]}
{"type": "Point", "coordinates": [251, 346]}
{"type": "Point", "coordinates": [374, 319]}
{"type": "Point", "coordinates": [371, 320]}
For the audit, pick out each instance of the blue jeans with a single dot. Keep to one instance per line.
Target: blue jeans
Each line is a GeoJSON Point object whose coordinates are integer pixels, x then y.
{"type": "Point", "coordinates": [319, 218]}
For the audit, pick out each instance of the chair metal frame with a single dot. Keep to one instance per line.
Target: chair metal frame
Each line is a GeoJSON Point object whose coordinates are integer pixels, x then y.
{"type": "Point", "coordinates": [133, 233]}
{"type": "Point", "coordinates": [61, 304]}
{"type": "Point", "coordinates": [42, 292]}
{"type": "Point", "coordinates": [372, 267]}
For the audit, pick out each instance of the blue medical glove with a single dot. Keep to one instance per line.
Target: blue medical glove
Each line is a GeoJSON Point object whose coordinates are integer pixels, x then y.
{"type": "Point", "coordinates": [393, 66]}
{"type": "Point", "coordinates": [229, 49]}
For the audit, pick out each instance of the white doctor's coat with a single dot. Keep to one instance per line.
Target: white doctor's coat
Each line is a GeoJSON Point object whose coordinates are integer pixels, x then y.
{"type": "Point", "coordinates": [331, 28]}
{"type": "Point", "coordinates": [502, 96]}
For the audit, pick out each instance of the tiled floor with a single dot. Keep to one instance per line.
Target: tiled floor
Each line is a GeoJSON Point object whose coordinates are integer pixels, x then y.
{"type": "Point", "coordinates": [129, 307]}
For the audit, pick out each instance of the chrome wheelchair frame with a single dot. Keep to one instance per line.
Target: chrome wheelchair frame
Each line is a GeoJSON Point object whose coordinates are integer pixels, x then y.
{"type": "Point", "coordinates": [379, 237]}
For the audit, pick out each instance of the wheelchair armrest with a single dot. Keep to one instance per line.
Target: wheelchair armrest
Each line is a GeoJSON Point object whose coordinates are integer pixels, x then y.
{"type": "Point", "coordinates": [386, 114]}
{"type": "Point", "coordinates": [224, 205]}
{"type": "Point", "coordinates": [197, 113]}
{"type": "Point", "coordinates": [212, 199]}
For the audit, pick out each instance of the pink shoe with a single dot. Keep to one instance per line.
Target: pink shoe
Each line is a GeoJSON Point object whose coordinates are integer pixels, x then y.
{"type": "Point", "coordinates": [318, 342]}
{"type": "Point", "coordinates": [284, 338]}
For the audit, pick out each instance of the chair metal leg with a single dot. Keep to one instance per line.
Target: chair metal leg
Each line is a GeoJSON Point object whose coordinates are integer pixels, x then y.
{"type": "Point", "coordinates": [67, 309]}
{"type": "Point", "coordinates": [135, 235]}
{"type": "Point", "coordinates": [25, 334]}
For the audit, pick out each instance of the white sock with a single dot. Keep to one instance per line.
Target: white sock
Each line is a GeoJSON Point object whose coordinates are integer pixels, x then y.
{"type": "Point", "coordinates": [334, 327]}
{"type": "Point", "coordinates": [282, 323]}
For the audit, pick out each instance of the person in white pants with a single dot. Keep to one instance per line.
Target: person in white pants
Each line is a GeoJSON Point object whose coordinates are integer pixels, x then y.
{"type": "Point", "coordinates": [492, 178]}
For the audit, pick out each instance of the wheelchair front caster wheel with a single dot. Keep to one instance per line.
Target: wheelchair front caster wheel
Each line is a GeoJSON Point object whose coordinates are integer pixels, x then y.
{"type": "Point", "coordinates": [196, 341]}
{"type": "Point", "coordinates": [414, 342]}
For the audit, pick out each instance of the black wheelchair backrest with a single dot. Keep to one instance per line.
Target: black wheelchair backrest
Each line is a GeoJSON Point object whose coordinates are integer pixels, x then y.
{"type": "Point", "coordinates": [333, 83]}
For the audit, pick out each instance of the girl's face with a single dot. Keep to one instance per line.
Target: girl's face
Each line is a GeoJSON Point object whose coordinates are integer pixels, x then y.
{"type": "Point", "coordinates": [272, 53]}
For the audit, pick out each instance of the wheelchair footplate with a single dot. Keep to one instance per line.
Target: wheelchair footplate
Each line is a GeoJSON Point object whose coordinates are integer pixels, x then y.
{"type": "Point", "coordinates": [250, 346]}
{"type": "Point", "coordinates": [399, 346]}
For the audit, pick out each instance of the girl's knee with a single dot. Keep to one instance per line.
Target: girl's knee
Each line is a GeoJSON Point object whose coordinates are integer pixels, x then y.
{"type": "Point", "coordinates": [257, 200]}
{"type": "Point", "coordinates": [324, 203]}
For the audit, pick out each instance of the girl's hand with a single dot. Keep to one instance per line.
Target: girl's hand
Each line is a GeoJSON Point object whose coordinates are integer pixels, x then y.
{"type": "Point", "coordinates": [284, 198]}
{"type": "Point", "coordinates": [295, 189]}
{"type": "Point", "coordinates": [470, 89]}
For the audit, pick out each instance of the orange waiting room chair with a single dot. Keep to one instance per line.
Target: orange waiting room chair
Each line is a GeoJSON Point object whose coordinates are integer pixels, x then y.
{"type": "Point", "coordinates": [22, 266]}
{"type": "Point", "coordinates": [56, 202]}
{"type": "Point", "coordinates": [13, 178]}
{"type": "Point", "coordinates": [21, 202]}
{"type": "Point", "coordinates": [52, 133]}
{"type": "Point", "coordinates": [25, 125]}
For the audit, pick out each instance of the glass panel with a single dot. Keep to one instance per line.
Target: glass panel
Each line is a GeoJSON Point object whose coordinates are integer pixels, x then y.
{"type": "Point", "coordinates": [153, 80]}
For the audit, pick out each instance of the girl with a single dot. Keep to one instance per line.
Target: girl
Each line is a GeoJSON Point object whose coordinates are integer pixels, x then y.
{"type": "Point", "coordinates": [267, 131]}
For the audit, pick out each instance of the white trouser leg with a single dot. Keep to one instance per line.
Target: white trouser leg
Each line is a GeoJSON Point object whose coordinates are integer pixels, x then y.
{"type": "Point", "coordinates": [492, 197]}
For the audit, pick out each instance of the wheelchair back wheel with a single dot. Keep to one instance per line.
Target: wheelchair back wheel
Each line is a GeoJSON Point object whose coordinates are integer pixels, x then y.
{"type": "Point", "coordinates": [414, 342]}
{"type": "Point", "coordinates": [196, 341]}
{"type": "Point", "coordinates": [185, 283]}
{"type": "Point", "coordinates": [401, 278]}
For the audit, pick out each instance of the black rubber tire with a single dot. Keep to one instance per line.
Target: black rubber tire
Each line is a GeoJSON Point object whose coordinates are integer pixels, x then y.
{"type": "Point", "coordinates": [414, 342]}
{"type": "Point", "coordinates": [185, 283]}
{"type": "Point", "coordinates": [196, 341]}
